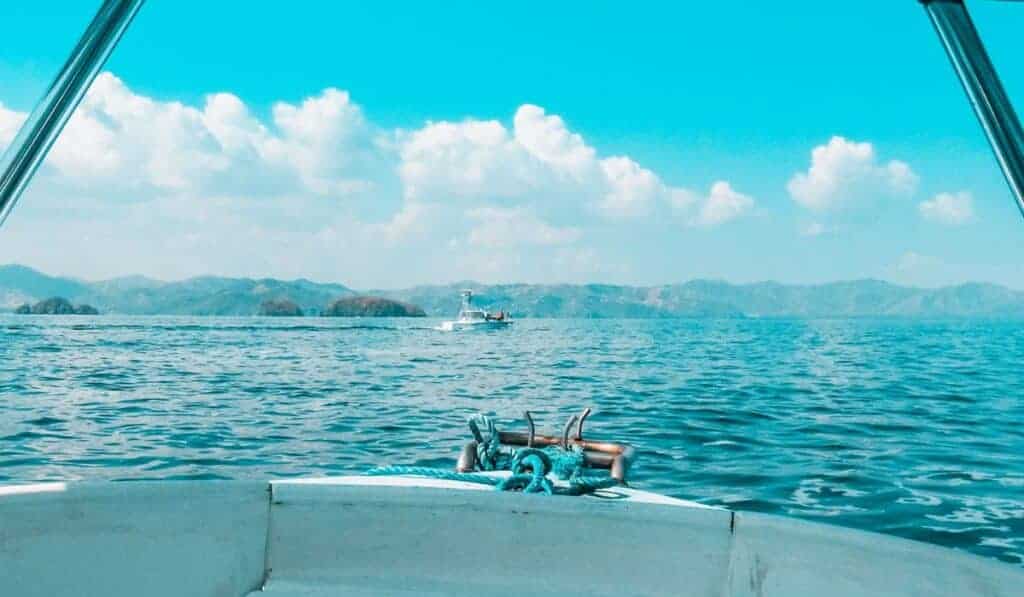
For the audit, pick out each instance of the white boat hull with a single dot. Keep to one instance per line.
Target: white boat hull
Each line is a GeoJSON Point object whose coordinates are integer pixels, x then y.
{"type": "Point", "coordinates": [395, 536]}
{"type": "Point", "coordinates": [452, 326]}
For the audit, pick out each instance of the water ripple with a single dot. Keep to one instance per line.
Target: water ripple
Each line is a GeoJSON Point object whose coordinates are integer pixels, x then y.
{"type": "Point", "coordinates": [911, 429]}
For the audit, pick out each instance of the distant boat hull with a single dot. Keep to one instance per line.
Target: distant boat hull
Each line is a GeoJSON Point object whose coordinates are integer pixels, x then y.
{"type": "Point", "coordinates": [491, 324]}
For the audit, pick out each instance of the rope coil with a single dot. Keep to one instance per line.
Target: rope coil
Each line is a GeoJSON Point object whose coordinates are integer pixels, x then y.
{"type": "Point", "coordinates": [529, 466]}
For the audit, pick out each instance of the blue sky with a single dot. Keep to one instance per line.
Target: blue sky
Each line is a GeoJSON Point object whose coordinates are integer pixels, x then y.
{"type": "Point", "coordinates": [675, 141]}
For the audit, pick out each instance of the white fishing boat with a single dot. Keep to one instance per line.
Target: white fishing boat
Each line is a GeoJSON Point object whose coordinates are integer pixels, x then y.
{"type": "Point", "coordinates": [409, 531]}
{"type": "Point", "coordinates": [474, 318]}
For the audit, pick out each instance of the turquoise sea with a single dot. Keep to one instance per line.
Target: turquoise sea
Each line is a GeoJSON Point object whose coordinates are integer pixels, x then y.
{"type": "Point", "coordinates": [904, 427]}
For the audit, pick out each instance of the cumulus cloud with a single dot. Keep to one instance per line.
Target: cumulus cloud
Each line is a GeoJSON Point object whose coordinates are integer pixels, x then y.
{"type": "Point", "coordinates": [409, 223]}
{"type": "Point", "coordinates": [539, 161]}
{"type": "Point", "coordinates": [844, 171]}
{"type": "Point", "coordinates": [10, 121]}
{"type": "Point", "coordinates": [473, 159]}
{"type": "Point", "coordinates": [119, 140]}
{"type": "Point", "coordinates": [723, 204]}
{"type": "Point", "coordinates": [467, 160]}
{"type": "Point", "coordinates": [328, 142]}
{"type": "Point", "coordinates": [631, 189]}
{"type": "Point", "coordinates": [501, 228]}
{"type": "Point", "coordinates": [183, 188]}
{"type": "Point", "coordinates": [720, 205]}
{"type": "Point", "coordinates": [948, 208]}
{"type": "Point", "coordinates": [547, 138]}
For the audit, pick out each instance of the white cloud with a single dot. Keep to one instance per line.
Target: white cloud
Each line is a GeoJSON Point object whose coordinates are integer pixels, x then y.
{"type": "Point", "coordinates": [917, 269]}
{"type": "Point", "coordinates": [845, 171]}
{"type": "Point", "coordinates": [137, 184]}
{"type": "Point", "coordinates": [10, 122]}
{"type": "Point", "coordinates": [631, 188]}
{"type": "Point", "coordinates": [540, 162]}
{"type": "Point", "coordinates": [813, 229]}
{"type": "Point", "coordinates": [122, 142]}
{"type": "Point", "coordinates": [948, 208]}
{"type": "Point", "coordinates": [466, 160]}
{"type": "Point", "coordinates": [723, 204]}
{"type": "Point", "coordinates": [500, 228]}
{"type": "Point", "coordinates": [546, 138]}
{"type": "Point", "coordinates": [328, 142]}
{"type": "Point", "coordinates": [408, 223]}
{"type": "Point", "coordinates": [911, 261]}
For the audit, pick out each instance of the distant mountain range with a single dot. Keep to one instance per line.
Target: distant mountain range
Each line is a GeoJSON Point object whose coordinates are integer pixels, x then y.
{"type": "Point", "coordinates": [698, 298]}
{"type": "Point", "coordinates": [136, 295]}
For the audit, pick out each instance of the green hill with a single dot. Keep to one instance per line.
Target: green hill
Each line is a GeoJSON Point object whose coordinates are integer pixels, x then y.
{"type": "Point", "coordinates": [698, 298]}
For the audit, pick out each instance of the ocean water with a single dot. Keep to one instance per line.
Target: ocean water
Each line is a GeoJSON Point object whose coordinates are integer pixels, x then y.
{"type": "Point", "coordinates": [907, 428]}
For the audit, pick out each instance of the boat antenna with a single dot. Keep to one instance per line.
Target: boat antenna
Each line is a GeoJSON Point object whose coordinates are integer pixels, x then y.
{"type": "Point", "coordinates": [28, 149]}
{"type": "Point", "coordinates": [984, 90]}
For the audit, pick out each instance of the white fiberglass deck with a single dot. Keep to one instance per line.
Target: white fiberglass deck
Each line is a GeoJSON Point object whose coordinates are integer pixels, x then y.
{"type": "Point", "coordinates": [401, 536]}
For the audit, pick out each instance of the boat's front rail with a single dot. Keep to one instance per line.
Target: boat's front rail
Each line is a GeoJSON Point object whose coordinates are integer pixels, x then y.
{"type": "Point", "coordinates": [382, 536]}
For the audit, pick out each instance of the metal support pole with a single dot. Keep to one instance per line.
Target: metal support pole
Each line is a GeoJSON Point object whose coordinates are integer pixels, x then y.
{"type": "Point", "coordinates": [21, 160]}
{"type": "Point", "coordinates": [984, 90]}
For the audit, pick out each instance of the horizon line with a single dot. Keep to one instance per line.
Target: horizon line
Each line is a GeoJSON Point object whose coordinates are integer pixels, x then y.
{"type": "Point", "coordinates": [517, 283]}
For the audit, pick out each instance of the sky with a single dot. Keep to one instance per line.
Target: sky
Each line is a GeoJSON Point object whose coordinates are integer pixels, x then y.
{"type": "Point", "coordinates": [385, 145]}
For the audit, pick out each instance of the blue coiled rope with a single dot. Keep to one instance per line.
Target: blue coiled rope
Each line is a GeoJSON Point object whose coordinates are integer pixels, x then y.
{"type": "Point", "coordinates": [432, 473]}
{"type": "Point", "coordinates": [530, 467]}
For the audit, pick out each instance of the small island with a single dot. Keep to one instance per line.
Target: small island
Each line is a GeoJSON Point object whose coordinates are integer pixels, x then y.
{"type": "Point", "coordinates": [280, 308]}
{"type": "Point", "coordinates": [371, 306]}
{"type": "Point", "coordinates": [56, 306]}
